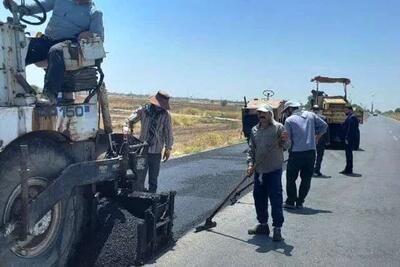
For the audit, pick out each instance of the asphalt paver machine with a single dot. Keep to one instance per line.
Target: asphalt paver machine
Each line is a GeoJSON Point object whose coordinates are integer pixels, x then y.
{"type": "Point", "coordinates": [56, 161]}
{"type": "Point", "coordinates": [332, 107]}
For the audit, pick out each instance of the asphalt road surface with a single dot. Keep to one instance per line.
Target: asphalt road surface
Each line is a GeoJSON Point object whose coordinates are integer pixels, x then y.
{"type": "Point", "coordinates": [347, 220]}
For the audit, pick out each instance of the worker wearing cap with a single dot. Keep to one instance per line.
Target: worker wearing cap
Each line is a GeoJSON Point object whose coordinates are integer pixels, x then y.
{"type": "Point", "coordinates": [321, 145]}
{"type": "Point", "coordinates": [304, 130]}
{"type": "Point", "coordinates": [156, 130]}
{"type": "Point", "coordinates": [265, 159]}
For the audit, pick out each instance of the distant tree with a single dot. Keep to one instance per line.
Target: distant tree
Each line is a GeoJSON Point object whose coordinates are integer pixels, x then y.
{"type": "Point", "coordinates": [224, 103]}
{"type": "Point", "coordinates": [310, 102]}
{"type": "Point", "coordinates": [378, 111]}
{"type": "Point", "coordinates": [357, 107]}
{"type": "Point", "coordinates": [397, 110]}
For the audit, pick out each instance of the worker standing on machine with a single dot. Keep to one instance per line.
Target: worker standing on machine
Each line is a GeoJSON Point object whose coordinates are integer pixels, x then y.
{"type": "Point", "coordinates": [156, 130]}
{"type": "Point", "coordinates": [71, 20]}
{"type": "Point", "coordinates": [265, 160]}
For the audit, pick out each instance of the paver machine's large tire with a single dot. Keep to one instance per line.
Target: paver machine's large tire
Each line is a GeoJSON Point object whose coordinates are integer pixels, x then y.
{"type": "Point", "coordinates": [54, 237]}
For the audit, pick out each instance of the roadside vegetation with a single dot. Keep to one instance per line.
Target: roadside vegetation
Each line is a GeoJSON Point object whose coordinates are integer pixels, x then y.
{"type": "Point", "coordinates": [198, 124]}
{"type": "Point", "coordinates": [394, 114]}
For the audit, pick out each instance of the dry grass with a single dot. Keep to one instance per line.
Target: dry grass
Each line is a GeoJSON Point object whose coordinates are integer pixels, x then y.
{"type": "Point", "coordinates": [204, 141]}
{"type": "Point", "coordinates": [394, 115]}
{"type": "Point", "coordinates": [197, 125]}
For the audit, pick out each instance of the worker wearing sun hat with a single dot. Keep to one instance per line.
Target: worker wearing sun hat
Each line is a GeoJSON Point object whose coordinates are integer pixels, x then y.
{"type": "Point", "coordinates": [156, 130]}
{"type": "Point", "coordinates": [265, 160]}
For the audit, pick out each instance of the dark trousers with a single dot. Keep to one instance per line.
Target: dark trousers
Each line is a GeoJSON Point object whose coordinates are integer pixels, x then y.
{"type": "Point", "coordinates": [320, 156]}
{"type": "Point", "coordinates": [270, 187]}
{"type": "Point", "coordinates": [349, 157]}
{"type": "Point", "coordinates": [303, 163]}
{"type": "Point", "coordinates": [153, 167]}
{"type": "Point", "coordinates": [43, 48]}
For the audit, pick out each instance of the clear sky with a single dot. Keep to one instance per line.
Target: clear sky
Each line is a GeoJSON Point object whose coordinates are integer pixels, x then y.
{"type": "Point", "coordinates": [227, 49]}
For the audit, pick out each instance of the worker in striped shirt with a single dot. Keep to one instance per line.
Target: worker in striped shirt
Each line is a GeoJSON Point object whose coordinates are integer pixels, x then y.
{"type": "Point", "coordinates": [156, 130]}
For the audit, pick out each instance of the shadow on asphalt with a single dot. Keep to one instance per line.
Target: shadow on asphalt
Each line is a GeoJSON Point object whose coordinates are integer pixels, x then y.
{"type": "Point", "coordinates": [353, 175]}
{"type": "Point", "coordinates": [264, 244]}
{"type": "Point", "coordinates": [307, 211]}
{"type": "Point", "coordinates": [322, 176]}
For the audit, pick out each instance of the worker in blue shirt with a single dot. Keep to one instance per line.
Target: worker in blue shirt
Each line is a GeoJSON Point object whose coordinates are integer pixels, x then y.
{"type": "Point", "coordinates": [304, 129]}
{"type": "Point", "coordinates": [71, 20]}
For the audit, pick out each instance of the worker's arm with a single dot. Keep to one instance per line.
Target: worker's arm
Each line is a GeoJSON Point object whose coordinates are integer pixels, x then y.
{"type": "Point", "coordinates": [96, 23]}
{"type": "Point", "coordinates": [352, 129]}
{"type": "Point", "coordinates": [33, 9]}
{"type": "Point", "coordinates": [283, 136]}
{"type": "Point", "coordinates": [135, 117]}
{"type": "Point", "coordinates": [251, 155]}
{"type": "Point", "coordinates": [169, 137]}
{"type": "Point", "coordinates": [288, 130]}
{"type": "Point", "coordinates": [320, 127]}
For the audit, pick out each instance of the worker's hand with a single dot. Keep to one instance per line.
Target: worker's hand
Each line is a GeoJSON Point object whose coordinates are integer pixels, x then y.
{"type": "Point", "coordinates": [85, 35]}
{"type": "Point", "coordinates": [167, 154]}
{"type": "Point", "coordinates": [284, 136]}
{"type": "Point", "coordinates": [250, 170]}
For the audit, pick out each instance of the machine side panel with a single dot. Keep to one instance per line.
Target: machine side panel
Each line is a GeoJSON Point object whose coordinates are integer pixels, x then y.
{"type": "Point", "coordinates": [10, 89]}
{"type": "Point", "coordinates": [14, 122]}
{"type": "Point", "coordinates": [78, 122]}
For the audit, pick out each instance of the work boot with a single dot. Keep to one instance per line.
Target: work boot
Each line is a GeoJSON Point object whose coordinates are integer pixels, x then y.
{"type": "Point", "coordinates": [259, 229]}
{"type": "Point", "coordinates": [277, 236]}
{"type": "Point", "coordinates": [299, 205]}
{"type": "Point", "coordinates": [45, 100]}
{"type": "Point", "coordinates": [289, 205]}
{"type": "Point", "coordinates": [317, 174]}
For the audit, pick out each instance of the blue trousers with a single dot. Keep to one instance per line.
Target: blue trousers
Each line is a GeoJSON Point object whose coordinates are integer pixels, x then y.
{"type": "Point", "coordinates": [270, 188]}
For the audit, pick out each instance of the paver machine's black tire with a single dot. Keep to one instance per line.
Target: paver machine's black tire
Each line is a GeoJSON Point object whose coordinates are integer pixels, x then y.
{"type": "Point", "coordinates": [53, 239]}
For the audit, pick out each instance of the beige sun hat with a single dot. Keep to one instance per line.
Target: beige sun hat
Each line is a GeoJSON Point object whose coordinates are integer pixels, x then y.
{"type": "Point", "coordinates": [161, 99]}
{"type": "Point", "coordinates": [264, 108]}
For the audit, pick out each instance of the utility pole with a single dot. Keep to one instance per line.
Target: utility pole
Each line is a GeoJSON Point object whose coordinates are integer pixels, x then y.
{"type": "Point", "coordinates": [372, 103]}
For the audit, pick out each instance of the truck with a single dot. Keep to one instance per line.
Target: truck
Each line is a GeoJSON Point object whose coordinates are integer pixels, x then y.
{"type": "Point", "coordinates": [249, 111]}
{"type": "Point", "coordinates": [332, 107]}
{"type": "Point", "coordinates": [56, 161]}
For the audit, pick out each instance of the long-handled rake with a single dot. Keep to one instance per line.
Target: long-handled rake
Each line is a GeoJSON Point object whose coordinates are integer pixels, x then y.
{"type": "Point", "coordinates": [209, 223]}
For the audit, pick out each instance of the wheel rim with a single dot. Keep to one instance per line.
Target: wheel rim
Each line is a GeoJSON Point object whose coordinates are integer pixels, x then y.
{"type": "Point", "coordinates": [42, 235]}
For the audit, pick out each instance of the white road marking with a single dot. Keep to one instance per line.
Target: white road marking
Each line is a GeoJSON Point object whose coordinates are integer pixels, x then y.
{"type": "Point", "coordinates": [395, 138]}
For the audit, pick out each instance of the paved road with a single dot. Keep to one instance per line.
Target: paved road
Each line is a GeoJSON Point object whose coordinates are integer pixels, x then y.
{"type": "Point", "coordinates": [201, 182]}
{"type": "Point", "coordinates": [348, 221]}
